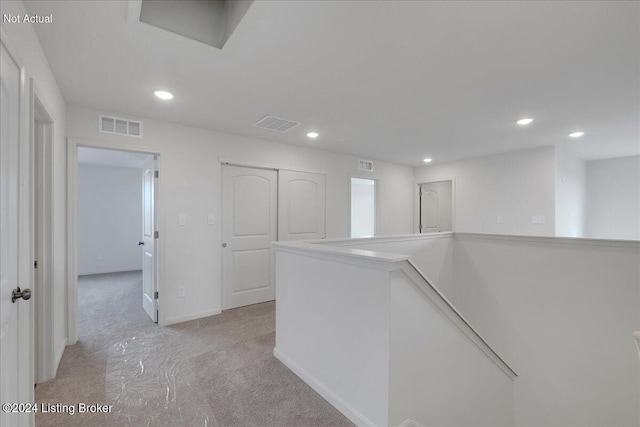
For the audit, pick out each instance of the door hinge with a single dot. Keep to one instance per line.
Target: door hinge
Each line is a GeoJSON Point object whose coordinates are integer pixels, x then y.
{"type": "Point", "coordinates": [156, 234]}
{"type": "Point", "coordinates": [155, 295]}
{"type": "Point", "coordinates": [35, 264]}
{"type": "Point", "coordinates": [156, 173]}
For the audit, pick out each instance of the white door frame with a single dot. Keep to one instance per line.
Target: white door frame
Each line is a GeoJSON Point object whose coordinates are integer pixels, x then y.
{"type": "Point", "coordinates": [72, 221]}
{"type": "Point", "coordinates": [42, 189]}
{"type": "Point", "coordinates": [416, 202]}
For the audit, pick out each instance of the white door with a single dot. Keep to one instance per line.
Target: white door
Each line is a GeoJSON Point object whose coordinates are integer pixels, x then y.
{"type": "Point", "coordinates": [15, 328]}
{"type": "Point", "coordinates": [436, 207]}
{"type": "Point", "coordinates": [249, 220]}
{"type": "Point", "coordinates": [301, 206]}
{"type": "Point", "coordinates": [149, 241]}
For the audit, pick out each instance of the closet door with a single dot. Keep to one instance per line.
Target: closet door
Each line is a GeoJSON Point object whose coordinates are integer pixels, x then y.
{"type": "Point", "coordinates": [301, 205]}
{"type": "Point", "coordinates": [249, 211]}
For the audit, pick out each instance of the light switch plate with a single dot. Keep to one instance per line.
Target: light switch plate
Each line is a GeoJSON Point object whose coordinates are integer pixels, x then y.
{"type": "Point", "coordinates": [182, 219]}
{"type": "Point", "coordinates": [211, 219]}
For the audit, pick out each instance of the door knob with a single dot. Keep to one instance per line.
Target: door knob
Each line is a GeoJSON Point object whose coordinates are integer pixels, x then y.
{"type": "Point", "coordinates": [224, 245]}
{"type": "Point", "coordinates": [140, 243]}
{"type": "Point", "coordinates": [17, 294]}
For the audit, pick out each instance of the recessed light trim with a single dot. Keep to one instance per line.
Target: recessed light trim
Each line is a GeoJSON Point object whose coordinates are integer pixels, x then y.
{"type": "Point", "coordinates": [577, 134]}
{"type": "Point", "coordinates": [525, 121]}
{"type": "Point", "coordinates": [428, 160]}
{"type": "Point", "coordinates": [312, 135]}
{"type": "Point", "coordinates": [163, 94]}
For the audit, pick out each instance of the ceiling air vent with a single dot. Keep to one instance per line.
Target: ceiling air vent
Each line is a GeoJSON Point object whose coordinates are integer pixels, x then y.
{"type": "Point", "coordinates": [365, 165]}
{"type": "Point", "coordinates": [275, 123]}
{"type": "Point", "coordinates": [118, 126]}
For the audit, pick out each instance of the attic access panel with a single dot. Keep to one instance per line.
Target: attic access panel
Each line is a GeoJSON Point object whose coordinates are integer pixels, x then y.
{"type": "Point", "coordinates": [208, 21]}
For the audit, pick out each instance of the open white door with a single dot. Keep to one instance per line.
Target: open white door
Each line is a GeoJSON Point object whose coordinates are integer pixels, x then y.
{"type": "Point", "coordinates": [15, 328]}
{"type": "Point", "coordinates": [436, 207]}
{"type": "Point", "coordinates": [249, 220]}
{"type": "Point", "coordinates": [149, 240]}
{"type": "Point", "coordinates": [301, 205]}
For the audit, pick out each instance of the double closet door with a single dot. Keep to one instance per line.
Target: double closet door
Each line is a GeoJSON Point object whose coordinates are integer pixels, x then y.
{"type": "Point", "coordinates": [261, 206]}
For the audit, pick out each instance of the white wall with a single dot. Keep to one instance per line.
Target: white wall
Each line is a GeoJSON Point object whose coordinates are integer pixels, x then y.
{"type": "Point", "coordinates": [561, 312]}
{"type": "Point", "coordinates": [613, 198]}
{"type": "Point", "coordinates": [22, 38]}
{"type": "Point", "coordinates": [109, 219]}
{"type": "Point", "coordinates": [570, 194]}
{"type": "Point", "coordinates": [191, 184]}
{"type": "Point", "coordinates": [514, 186]}
{"type": "Point", "coordinates": [432, 253]}
{"type": "Point", "coordinates": [438, 377]}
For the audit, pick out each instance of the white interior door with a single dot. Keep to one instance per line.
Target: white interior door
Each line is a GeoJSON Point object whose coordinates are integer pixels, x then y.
{"type": "Point", "coordinates": [15, 333]}
{"type": "Point", "coordinates": [436, 207]}
{"type": "Point", "coordinates": [249, 220]}
{"type": "Point", "coordinates": [301, 205]}
{"type": "Point", "coordinates": [149, 241]}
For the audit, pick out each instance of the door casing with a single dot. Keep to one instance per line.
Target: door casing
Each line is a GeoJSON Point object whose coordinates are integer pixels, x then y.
{"type": "Point", "coordinates": [72, 222]}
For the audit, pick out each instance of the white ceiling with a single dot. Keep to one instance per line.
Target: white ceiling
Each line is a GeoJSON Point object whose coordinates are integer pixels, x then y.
{"type": "Point", "coordinates": [125, 159]}
{"type": "Point", "coordinates": [397, 81]}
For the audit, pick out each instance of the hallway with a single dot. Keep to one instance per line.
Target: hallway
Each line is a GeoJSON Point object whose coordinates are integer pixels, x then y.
{"type": "Point", "coordinates": [214, 371]}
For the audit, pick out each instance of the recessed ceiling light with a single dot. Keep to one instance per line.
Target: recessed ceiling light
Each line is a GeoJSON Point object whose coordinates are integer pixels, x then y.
{"type": "Point", "coordinates": [163, 94]}
{"type": "Point", "coordinates": [312, 135]}
{"type": "Point", "coordinates": [524, 122]}
{"type": "Point", "coordinates": [428, 160]}
{"type": "Point", "coordinates": [576, 134]}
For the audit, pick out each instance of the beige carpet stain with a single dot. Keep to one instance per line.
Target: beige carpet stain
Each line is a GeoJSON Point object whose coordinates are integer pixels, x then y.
{"type": "Point", "coordinates": [217, 371]}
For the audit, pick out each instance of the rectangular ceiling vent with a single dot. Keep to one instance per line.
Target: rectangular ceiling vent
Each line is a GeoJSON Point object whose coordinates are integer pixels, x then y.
{"type": "Point", "coordinates": [365, 165]}
{"type": "Point", "coordinates": [118, 126]}
{"type": "Point", "coordinates": [275, 123]}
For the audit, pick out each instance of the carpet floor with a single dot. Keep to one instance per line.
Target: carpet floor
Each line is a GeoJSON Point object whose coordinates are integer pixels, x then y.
{"type": "Point", "coordinates": [217, 371]}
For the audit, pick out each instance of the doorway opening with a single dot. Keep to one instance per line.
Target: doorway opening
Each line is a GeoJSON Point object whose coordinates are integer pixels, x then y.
{"type": "Point", "coordinates": [436, 207]}
{"type": "Point", "coordinates": [363, 207]}
{"type": "Point", "coordinates": [116, 242]}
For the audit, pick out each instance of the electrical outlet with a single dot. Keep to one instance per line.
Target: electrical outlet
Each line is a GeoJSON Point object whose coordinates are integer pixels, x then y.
{"type": "Point", "coordinates": [100, 257]}
{"type": "Point", "coordinates": [180, 292]}
{"type": "Point", "coordinates": [499, 219]}
{"type": "Point", "coordinates": [211, 219]}
{"type": "Point", "coordinates": [182, 219]}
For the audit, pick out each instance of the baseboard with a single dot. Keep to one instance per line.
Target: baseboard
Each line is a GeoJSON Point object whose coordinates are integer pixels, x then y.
{"type": "Point", "coordinates": [58, 357]}
{"type": "Point", "coordinates": [186, 318]}
{"type": "Point", "coordinates": [117, 270]}
{"type": "Point", "coordinates": [347, 410]}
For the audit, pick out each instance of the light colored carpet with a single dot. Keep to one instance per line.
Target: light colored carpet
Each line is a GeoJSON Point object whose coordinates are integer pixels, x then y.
{"type": "Point", "coordinates": [218, 371]}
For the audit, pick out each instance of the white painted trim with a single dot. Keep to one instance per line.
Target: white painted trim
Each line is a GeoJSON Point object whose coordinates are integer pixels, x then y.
{"type": "Point", "coordinates": [72, 231]}
{"type": "Point", "coordinates": [43, 251]}
{"type": "Point", "coordinates": [188, 317]}
{"type": "Point", "coordinates": [347, 410]}
{"type": "Point", "coordinates": [636, 336]}
{"type": "Point", "coordinates": [361, 241]}
{"type": "Point", "coordinates": [325, 251]}
{"type": "Point", "coordinates": [633, 244]}
{"type": "Point", "coordinates": [260, 165]}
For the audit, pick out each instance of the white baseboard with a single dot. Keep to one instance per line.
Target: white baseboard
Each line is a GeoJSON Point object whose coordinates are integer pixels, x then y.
{"type": "Point", "coordinates": [186, 318]}
{"type": "Point", "coordinates": [347, 410]}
